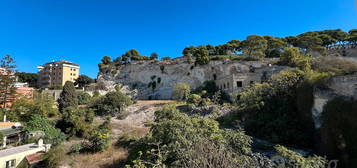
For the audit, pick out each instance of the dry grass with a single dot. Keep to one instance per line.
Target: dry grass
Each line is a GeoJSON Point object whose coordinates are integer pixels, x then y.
{"type": "Point", "coordinates": [155, 102]}
{"type": "Point", "coordinates": [113, 157]}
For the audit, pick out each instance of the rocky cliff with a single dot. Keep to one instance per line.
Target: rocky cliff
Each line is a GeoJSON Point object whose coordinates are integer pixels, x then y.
{"type": "Point", "coordinates": [155, 79]}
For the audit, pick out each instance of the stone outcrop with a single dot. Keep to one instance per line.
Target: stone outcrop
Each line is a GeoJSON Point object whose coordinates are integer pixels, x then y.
{"type": "Point", "coordinates": [345, 86]}
{"type": "Point", "coordinates": [155, 79]}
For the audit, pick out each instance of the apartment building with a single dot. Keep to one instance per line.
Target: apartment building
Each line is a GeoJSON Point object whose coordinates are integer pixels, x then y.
{"type": "Point", "coordinates": [57, 73]}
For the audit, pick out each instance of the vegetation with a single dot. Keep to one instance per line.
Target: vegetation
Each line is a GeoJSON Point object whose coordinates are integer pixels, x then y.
{"type": "Point", "coordinates": [84, 98]}
{"type": "Point", "coordinates": [68, 97]}
{"type": "Point", "coordinates": [338, 124]}
{"type": "Point", "coordinates": [52, 135]}
{"type": "Point", "coordinates": [30, 78]}
{"type": "Point", "coordinates": [7, 89]}
{"type": "Point", "coordinates": [53, 158]}
{"type": "Point", "coordinates": [283, 99]}
{"type": "Point", "coordinates": [113, 103]}
{"type": "Point", "coordinates": [23, 109]}
{"type": "Point", "coordinates": [83, 81]}
{"type": "Point", "coordinates": [76, 121]}
{"type": "Point", "coordinates": [181, 91]}
{"type": "Point", "coordinates": [176, 140]}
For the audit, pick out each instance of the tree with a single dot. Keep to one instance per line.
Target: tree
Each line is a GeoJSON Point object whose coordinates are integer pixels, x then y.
{"type": "Point", "coordinates": [181, 91]}
{"type": "Point", "coordinates": [293, 57]}
{"type": "Point", "coordinates": [106, 60]}
{"type": "Point", "coordinates": [83, 80]}
{"type": "Point", "coordinates": [52, 135]}
{"type": "Point", "coordinates": [201, 55]}
{"type": "Point", "coordinates": [255, 46]}
{"type": "Point", "coordinates": [352, 38]}
{"type": "Point", "coordinates": [84, 98]}
{"type": "Point", "coordinates": [76, 121]}
{"type": "Point", "coordinates": [166, 58]}
{"type": "Point", "coordinates": [68, 97]}
{"type": "Point", "coordinates": [42, 105]}
{"type": "Point", "coordinates": [30, 78]}
{"type": "Point", "coordinates": [112, 103]}
{"type": "Point", "coordinates": [7, 80]}
{"type": "Point", "coordinates": [275, 46]}
{"type": "Point", "coordinates": [154, 56]}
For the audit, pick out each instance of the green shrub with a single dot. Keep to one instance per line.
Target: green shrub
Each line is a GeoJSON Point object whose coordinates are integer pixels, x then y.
{"type": "Point", "coordinates": [84, 98]}
{"type": "Point", "coordinates": [334, 65]}
{"type": "Point", "coordinates": [53, 158]}
{"type": "Point", "coordinates": [52, 135]}
{"type": "Point", "coordinates": [112, 103]}
{"type": "Point", "coordinates": [181, 91]}
{"type": "Point", "coordinates": [76, 121]}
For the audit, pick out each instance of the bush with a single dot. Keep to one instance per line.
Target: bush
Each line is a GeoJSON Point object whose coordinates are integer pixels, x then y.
{"type": "Point", "coordinates": [84, 98]}
{"type": "Point", "coordinates": [282, 100]}
{"type": "Point", "coordinates": [53, 135]}
{"type": "Point", "coordinates": [112, 103]}
{"type": "Point", "coordinates": [76, 122]}
{"type": "Point", "coordinates": [194, 99]}
{"type": "Point", "coordinates": [68, 97]}
{"type": "Point", "coordinates": [175, 134]}
{"type": "Point", "coordinates": [334, 65]}
{"type": "Point", "coordinates": [181, 91]}
{"type": "Point", "coordinates": [23, 109]}
{"type": "Point", "coordinates": [53, 158]}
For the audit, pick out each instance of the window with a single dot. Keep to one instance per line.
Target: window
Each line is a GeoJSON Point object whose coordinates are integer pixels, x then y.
{"type": "Point", "coordinates": [227, 85]}
{"type": "Point", "coordinates": [10, 163]}
{"type": "Point", "coordinates": [251, 82]}
{"type": "Point", "coordinates": [239, 84]}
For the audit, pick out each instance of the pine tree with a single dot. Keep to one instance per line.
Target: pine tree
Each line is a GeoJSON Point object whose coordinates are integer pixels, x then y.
{"type": "Point", "coordinates": [7, 80]}
{"type": "Point", "coordinates": [68, 97]}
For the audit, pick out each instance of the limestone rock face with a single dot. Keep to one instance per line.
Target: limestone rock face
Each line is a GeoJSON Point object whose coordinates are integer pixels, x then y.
{"type": "Point", "coordinates": [155, 79]}
{"type": "Point", "coordinates": [345, 86]}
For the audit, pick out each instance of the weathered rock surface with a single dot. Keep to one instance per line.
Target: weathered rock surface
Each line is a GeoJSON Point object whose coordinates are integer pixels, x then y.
{"type": "Point", "coordinates": [155, 79]}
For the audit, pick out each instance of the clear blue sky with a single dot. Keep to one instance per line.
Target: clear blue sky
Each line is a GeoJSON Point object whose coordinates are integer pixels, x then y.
{"type": "Point", "coordinates": [83, 31]}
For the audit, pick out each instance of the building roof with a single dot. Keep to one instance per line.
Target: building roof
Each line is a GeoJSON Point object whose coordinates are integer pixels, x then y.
{"type": "Point", "coordinates": [34, 158]}
{"type": "Point", "coordinates": [10, 131]}
{"type": "Point", "coordinates": [61, 62]}
{"type": "Point", "coordinates": [18, 149]}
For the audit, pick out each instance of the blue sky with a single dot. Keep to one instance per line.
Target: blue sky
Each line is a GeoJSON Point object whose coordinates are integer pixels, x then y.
{"type": "Point", "coordinates": [83, 31]}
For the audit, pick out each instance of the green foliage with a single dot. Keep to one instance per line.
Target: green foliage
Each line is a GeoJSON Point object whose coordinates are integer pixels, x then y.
{"type": "Point", "coordinates": [112, 103]}
{"type": "Point", "coordinates": [334, 65]}
{"type": "Point", "coordinates": [53, 158]}
{"type": "Point", "coordinates": [84, 98]}
{"type": "Point", "coordinates": [55, 87]}
{"type": "Point", "coordinates": [30, 78]}
{"type": "Point", "coordinates": [207, 89]}
{"type": "Point", "coordinates": [275, 46]}
{"type": "Point", "coordinates": [181, 91]}
{"type": "Point", "coordinates": [255, 46]}
{"type": "Point", "coordinates": [277, 100]}
{"type": "Point", "coordinates": [68, 97]}
{"type": "Point", "coordinates": [339, 118]}
{"type": "Point", "coordinates": [194, 99]}
{"type": "Point", "coordinates": [106, 60]}
{"type": "Point", "coordinates": [97, 141]}
{"type": "Point", "coordinates": [52, 136]}
{"type": "Point", "coordinates": [42, 104]}
{"type": "Point", "coordinates": [201, 55]}
{"type": "Point", "coordinates": [99, 138]}
{"type": "Point", "coordinates": [293, 159]}
{"type": "Point", "coordinates": [172, 140]}
{"type": "Point", "coordinates": [154, 56]}
{"type": "Point", "coordinates": [166, 58]}
{"type": "Point", "coordinates": [292, 57]}
{"type": "Point", "coordinates": [76, 121]}
{"type": "Point", "coordinates": [83, 80]}
{"type": "Point", "coordinates": [7, 89]}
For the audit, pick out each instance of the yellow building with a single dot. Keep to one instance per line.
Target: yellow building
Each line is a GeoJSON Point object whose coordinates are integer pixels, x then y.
{"type": "Point", "coordinates": [57, 73]}
{"type": "Point", "coordinates": [26, 155]}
